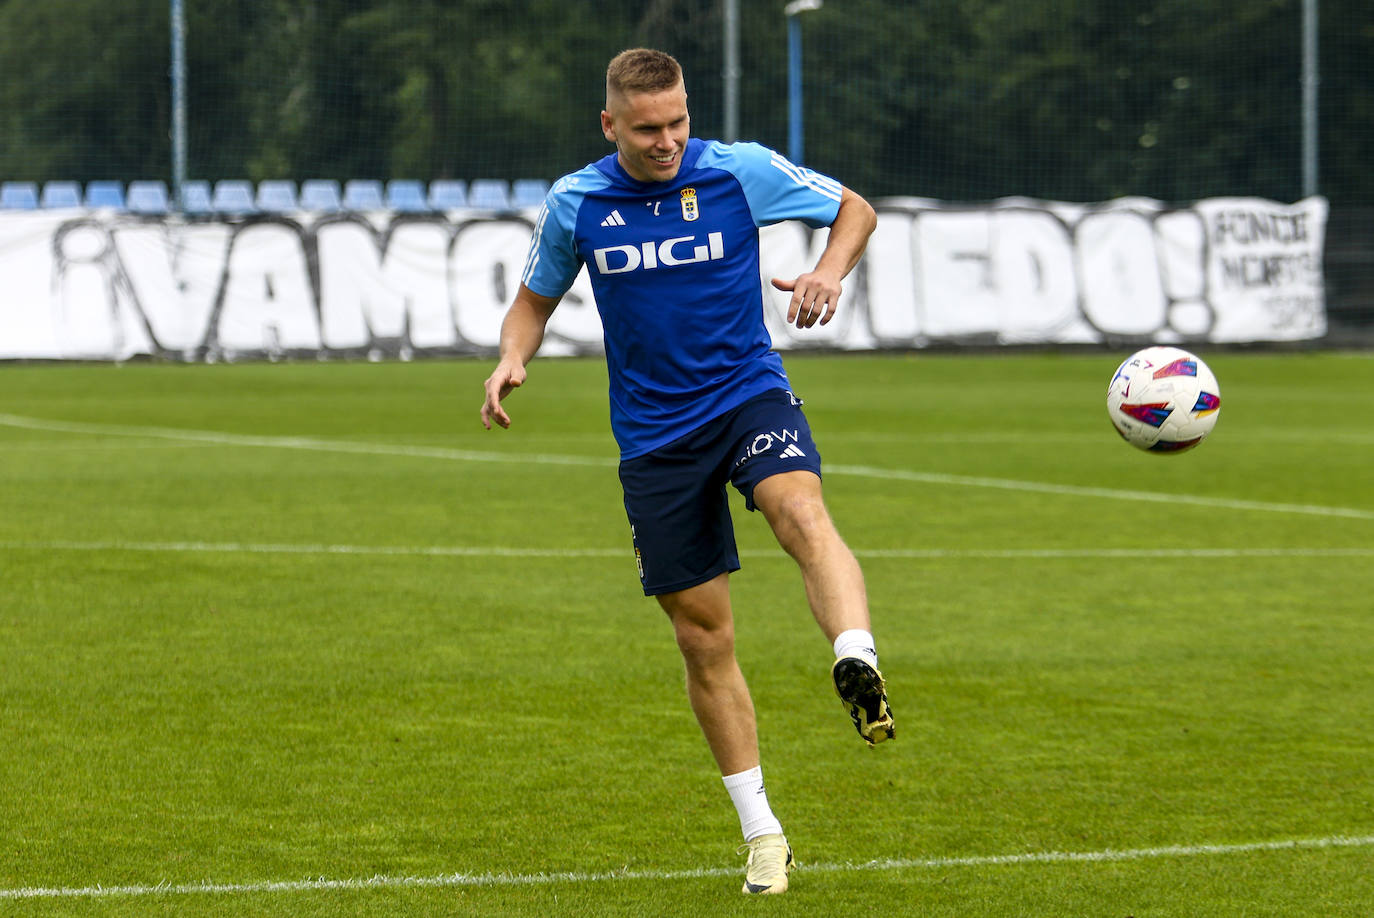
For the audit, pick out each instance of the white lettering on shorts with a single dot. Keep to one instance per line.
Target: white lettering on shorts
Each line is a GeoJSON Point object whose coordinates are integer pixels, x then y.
{"type": "Point", "coordinates": [764, 441]}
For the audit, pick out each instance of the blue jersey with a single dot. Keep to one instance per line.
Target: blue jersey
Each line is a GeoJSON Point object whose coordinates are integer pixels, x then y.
{"type": "Point", "coordinates": [674, 267]}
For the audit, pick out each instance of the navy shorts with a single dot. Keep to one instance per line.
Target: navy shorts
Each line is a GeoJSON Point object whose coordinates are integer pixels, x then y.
{"type": "Point", "coordinates": [675, 496]}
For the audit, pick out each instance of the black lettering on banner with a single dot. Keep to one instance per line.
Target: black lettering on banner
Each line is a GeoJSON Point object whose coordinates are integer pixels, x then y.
{"type": "Point", "coordinates": [1260, 271]}
{"type": "Point", "coordinates": [1249, 227]}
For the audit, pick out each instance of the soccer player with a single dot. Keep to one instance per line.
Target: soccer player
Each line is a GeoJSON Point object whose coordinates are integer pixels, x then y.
{"type": "Point", "coordinates": [667, 227]}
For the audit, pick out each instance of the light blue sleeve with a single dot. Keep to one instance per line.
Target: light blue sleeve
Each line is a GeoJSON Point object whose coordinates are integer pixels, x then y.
{"type": "Point", "coordinates": [776, 188]}
{"type": "Point", "coordinates": [552, 264]}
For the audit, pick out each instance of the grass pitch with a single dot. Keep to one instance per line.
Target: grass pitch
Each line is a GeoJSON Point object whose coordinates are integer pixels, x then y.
{"type": "Point", "coordinates": [304, 639]}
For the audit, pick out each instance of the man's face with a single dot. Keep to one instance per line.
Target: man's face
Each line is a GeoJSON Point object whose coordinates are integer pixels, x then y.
{"type": "Point", "coordinates": [650, 130]}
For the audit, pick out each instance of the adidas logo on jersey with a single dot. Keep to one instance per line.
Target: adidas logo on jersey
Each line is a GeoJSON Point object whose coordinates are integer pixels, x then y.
{"type": "Point", "coordinates": [613, 219]}
{"type": "Point", "coordinates": [791, 453]}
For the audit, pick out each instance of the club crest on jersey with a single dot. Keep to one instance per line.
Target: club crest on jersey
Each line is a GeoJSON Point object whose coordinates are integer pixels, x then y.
{"type": "Point", "coordinates": [689, 204]}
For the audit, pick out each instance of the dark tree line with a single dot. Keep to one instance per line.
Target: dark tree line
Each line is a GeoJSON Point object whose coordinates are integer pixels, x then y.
{"type": "Point", "coordinates": [1071, 99]}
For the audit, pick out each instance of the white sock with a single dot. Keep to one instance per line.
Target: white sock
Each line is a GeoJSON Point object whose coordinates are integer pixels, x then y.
{"type": "Point", "coordinates": [857, 643]}
{"type": "Point", "coordinates": [751, 801]}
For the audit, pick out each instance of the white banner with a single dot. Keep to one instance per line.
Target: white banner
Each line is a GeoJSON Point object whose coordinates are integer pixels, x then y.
{"type": "Point", "coordinates": [102, 285]}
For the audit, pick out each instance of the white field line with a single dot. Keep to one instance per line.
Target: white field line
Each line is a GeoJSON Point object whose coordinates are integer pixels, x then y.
{"type": "Point", "coordinates": [300, 443]}
{"type": "Point", "coordinates": [1288, 435]}
{"type": "Point", "coordinates": [491, 551]}
{"type": "Point", "coordinates": [1008, 484]}
{"type": "Point", "coordinates": [576, 878]}
{"type": "Point", "coordinates": [515, 459]}
{"type": "Point", "coordinates": [66, 446]}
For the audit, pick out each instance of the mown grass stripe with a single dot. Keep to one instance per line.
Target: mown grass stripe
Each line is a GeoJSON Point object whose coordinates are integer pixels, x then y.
{"type": "Point", "coordinates": [462, 455]}
{"type": "Point", "coordinates": [496, 551]}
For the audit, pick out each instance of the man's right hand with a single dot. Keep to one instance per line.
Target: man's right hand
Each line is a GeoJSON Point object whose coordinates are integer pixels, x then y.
{"type": "Point", "coordinates": [504, 378]}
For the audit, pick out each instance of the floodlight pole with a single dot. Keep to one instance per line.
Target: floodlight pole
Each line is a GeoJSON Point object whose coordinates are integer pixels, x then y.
{"type": "Point", "coordinates": [731, 74]}
{"type": "Point", "coordinates": [1310, 80]}
{"type": "Point", "coordinates": [177, 16]}
{"type": "Point", "coordinates": [793, 13]}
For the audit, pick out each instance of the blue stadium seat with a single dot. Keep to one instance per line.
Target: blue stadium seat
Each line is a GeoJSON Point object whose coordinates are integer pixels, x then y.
{"type": "Point", "coordinates": [363, 194]}
{"type": "Point", "coordinates": [446, 194]}
{"type": "Point", "coordinates": [320, 194]}
{"type": "Point", "coordinates": [18, 196]}
{"type": "Point", "coordinates": [233, 196]}
{"type": "Point", "coordinates": [276, 196]}
{"type": "Point", "coordinates": [406, 195]}
{"type": "Point", "coordinates": [60, 194]}
{"type": "Point", "coordinates": [528, 192]}
{"type": "Point", "coordinates": [146, 196]}
{"type": "Point", "coordinates": [489, 194]}
{"type": "Point", "coordinates": [195, 196]}
{"type": "Point", "coordinates": [105, 194]}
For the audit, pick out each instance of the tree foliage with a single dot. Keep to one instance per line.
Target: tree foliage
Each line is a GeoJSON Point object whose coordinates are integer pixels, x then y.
{"type": "Point", "coordinates": [1071, 99]}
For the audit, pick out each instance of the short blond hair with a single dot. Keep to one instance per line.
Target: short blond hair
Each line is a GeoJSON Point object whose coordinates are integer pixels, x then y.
{"type": "Point", "coordinates": [641, 70]}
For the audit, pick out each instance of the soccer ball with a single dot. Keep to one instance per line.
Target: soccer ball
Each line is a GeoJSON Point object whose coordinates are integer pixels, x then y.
{"type": "Point", "coordinates": [1163, 399]}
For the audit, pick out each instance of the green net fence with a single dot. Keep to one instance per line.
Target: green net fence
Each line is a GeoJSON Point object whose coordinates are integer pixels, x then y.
{"type": "Point", "coordinates": [1072, 100]}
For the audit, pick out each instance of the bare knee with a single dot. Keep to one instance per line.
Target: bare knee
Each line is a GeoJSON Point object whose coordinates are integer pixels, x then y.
{"type": "Point", "coordinates": [802, 524]}
{"type": "Point", "coordinates": [702, 643]}
{"type": "Point", "coordinates": [702, 623]}
{"type": "Point", "coordinates": [804, 512]}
